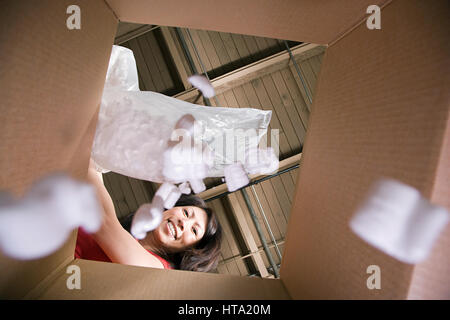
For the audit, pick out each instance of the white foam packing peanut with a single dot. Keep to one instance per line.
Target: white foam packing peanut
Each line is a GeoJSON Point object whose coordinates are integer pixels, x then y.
{"type": "Point", "coordinates": [261, 161]}
{"type": "Point", "coordinates": [187, 160]}
{"type": "Point", "coordinates": [169, 193]}
{"type": "Point", "coordinates": [235, 177]}
{"type": "Point", "coordinates": [184, 188]}
{"type": "Point", "coordinates": [257, 161]}
{"type": "Point", "coordinates": [397, 220]}
{"type": "Point", "coordinates": [203, 84]}
{"type": "Point", "coordinates": [149, 215]}
{"type": "Point", "coordinates": [39, 223]}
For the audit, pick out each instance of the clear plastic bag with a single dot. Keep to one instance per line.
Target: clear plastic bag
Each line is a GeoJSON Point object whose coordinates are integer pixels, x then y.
{"type": "Point", "coordinates": [134, 126]}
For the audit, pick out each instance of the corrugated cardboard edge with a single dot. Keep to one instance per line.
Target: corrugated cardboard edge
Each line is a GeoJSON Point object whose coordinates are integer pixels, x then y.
{"type": "Point", "coordinates": [21, 278]}
{"type": "Point", "coordinates": [427, 279]}
{"type": "Point", "coordinates": [42, 286]}
{"type": "Point", "coordinates": [406, 276]}
{"type": "Point", "coordinates": [102, 280]}
{"type": "Point", "coordinates": [438, 262]}
{"type": "Point", "coordinates": [111, 9]}
{"type": "Point", "coordinates": [58, 273]}
{"type": "Point", "coordinates": [78, 172]}
{"type": "Point", "coordinates": [246, 18]}
{"type": "Point", "coordinates": [359, 22]}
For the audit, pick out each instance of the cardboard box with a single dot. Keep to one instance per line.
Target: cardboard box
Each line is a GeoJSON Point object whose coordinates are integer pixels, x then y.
{"type": "Point", "coordinates": [381, 109]}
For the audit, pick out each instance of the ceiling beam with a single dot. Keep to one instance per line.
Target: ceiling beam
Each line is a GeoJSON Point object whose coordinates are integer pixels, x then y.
{"type": "Point", "coordinates": [134, 34]}
{"type": "Point", "coordinates": [256, 70]}
{"type": "Point", "coordinates": [245, 231]}
{"type": "Point", "coordinates": [177, 58]}
{"type": "Point", "coordinates": [284, 164]}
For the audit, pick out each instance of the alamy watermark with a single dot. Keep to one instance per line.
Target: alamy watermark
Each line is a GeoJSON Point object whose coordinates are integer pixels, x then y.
{"type": "Point", "coordinates": [74, 20]}
{"type": "Point", "coordinates": [374, 281]}
{"type": "Point", "coordinates": [374, 20]}
{"type": "Point", "coordinates": [74, 280]}
{"type": "Point", "coordinates": [233, 145]}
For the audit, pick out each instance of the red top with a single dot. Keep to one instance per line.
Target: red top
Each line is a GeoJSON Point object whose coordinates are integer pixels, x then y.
{"type": "Point", "coordinates": [86, 248]}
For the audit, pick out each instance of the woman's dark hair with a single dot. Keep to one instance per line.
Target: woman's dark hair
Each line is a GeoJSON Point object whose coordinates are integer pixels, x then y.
{"type": "Point", "coordinates": [204, 256]}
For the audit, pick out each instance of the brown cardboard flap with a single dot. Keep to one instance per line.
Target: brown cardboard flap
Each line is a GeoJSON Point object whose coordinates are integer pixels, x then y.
{"type": "Point", "coordinates": [430, 279]}
{"type": "Point", "coordinates": [301, 20]}
{"type": "Point", "coordinates": [381, 109]}
{"type": "Point", "coordinates": [51, 83]}
{"type": "Point", "coordinates": [103, 280]}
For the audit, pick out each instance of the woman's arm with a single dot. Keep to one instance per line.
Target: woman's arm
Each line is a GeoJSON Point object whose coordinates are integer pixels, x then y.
{"type": "Point", "coordinates": [116, 242]}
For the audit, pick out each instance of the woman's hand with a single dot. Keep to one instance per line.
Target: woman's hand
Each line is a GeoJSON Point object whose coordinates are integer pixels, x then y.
{"type": "Point", "coordinates": [93, 175]}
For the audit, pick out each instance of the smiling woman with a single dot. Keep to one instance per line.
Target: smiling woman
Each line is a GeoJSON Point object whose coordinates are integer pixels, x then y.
{"type": "Point", "coordinates": [188, 237]}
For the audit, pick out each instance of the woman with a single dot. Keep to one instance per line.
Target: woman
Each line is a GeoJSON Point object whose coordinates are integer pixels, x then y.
{"type": "Point", "coordinates": [188, 237]}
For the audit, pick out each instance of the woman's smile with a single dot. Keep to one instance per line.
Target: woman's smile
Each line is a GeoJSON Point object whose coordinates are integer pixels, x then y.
{"type": "Point", "coordinates": [171, 229]}
{"type": "Point", "coordinates": [182, 227]}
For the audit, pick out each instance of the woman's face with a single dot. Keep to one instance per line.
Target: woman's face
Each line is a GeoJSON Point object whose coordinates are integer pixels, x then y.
{"type": "Point", "coordinates": [181, 227]}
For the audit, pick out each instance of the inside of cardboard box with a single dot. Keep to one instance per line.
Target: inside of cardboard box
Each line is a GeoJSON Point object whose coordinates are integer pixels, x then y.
{"type": "Point", "coordinates": [367, 120]}
{"type": "Point", "coordinates": [246, 72]}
